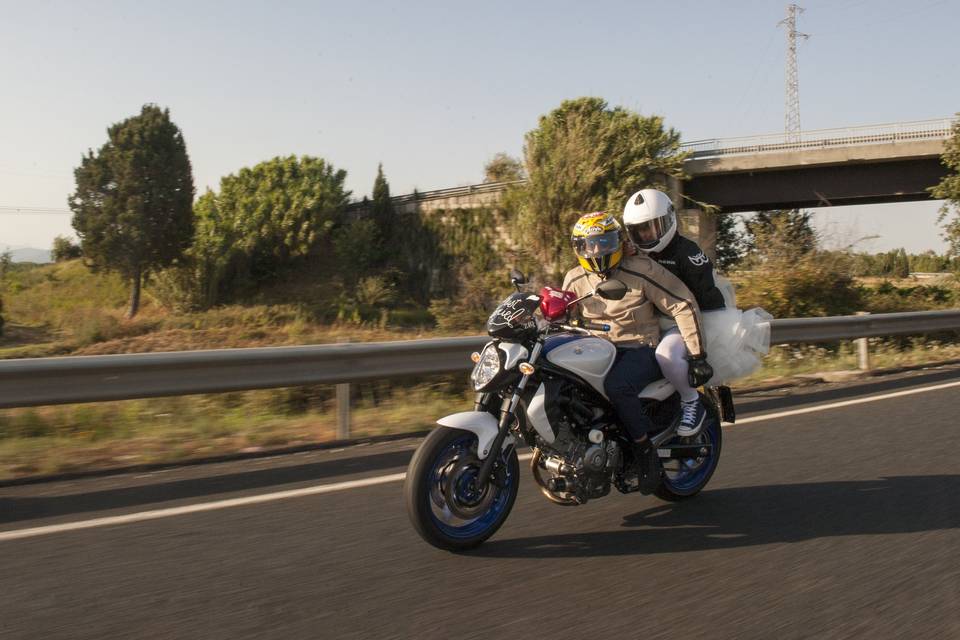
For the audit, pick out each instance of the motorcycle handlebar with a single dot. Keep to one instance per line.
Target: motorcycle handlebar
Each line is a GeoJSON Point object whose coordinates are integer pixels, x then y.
{"type": "Point", "coordinates": [592, 326]}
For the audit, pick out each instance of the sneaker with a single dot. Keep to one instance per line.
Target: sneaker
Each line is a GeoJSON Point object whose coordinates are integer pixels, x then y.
{"type": "Point", "coordinates": [648, 467]}
{"type": "Point", "coordinates": [692, 416]}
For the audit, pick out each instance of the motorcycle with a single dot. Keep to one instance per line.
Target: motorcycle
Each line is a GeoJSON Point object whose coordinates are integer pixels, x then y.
{"type": "Point", "coordinates": [539, 381]}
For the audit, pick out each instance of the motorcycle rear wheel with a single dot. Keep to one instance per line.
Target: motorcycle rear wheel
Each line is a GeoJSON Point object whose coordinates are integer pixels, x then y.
{"type": "Point", "coordinates": [443, 503]}
{"type": "Point", "coordinates": [687, 477]}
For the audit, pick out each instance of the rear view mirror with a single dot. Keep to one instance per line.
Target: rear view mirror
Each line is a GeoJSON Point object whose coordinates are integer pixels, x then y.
{"type": "Point", "coordinates": [611, 290]}
{"type": "Point", "coordinates": [517, 278]}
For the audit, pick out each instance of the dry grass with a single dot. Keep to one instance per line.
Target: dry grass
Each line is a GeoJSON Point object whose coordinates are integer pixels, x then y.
{"type": "Point", "coordinates": [787, 361]}
{"type": "Point", "coordinates": [63, 309]}
{"type": "Point", "coordinates": [110, 434]}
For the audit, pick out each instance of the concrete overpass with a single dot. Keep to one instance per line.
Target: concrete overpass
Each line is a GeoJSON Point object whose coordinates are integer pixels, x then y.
{"type": "Point", "coordinates": [863, 165]}
{"type": "Point", "coordinates": [823, 168]}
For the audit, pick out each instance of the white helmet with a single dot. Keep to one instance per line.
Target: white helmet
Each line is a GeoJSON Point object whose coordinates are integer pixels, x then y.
{"type": "Point", "coordinates": [650, 220]}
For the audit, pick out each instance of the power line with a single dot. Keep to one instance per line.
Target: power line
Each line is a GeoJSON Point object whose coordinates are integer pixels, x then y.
{"type": "Point", "coordinates": [33, 211]}
{"type": "Point", "coordinates": [762, 61]}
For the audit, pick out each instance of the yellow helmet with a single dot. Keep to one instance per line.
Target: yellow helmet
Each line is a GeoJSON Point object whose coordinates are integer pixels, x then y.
{"type": "Point", "coordinates": [596, 241]}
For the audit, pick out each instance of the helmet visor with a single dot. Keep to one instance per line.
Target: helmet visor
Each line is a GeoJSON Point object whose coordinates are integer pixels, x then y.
{"type": "Point", "coordinates": [597, 246]}
{"type": "Point", "coordinates": [647, 234]}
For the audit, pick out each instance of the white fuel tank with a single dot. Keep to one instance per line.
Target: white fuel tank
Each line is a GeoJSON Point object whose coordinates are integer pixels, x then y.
{"type": "Point", "coordinates": [589, 358]}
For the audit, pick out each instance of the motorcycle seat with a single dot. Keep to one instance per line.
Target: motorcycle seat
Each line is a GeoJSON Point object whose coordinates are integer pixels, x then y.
{"type": "Point", "coordinates": [658, 390]}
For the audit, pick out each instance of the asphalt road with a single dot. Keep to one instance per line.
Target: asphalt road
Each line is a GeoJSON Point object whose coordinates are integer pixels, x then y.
{"type": "Point", "coordinates": [838, 523]}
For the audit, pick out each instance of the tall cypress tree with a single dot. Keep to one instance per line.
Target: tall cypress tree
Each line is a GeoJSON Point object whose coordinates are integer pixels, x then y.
{"type": "Point", "coordinates": [133, 204]}
{"type": "Point", "coordinates": [383, 212]}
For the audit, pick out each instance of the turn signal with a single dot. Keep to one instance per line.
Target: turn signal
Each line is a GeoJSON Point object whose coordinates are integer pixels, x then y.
{"type": "Point", "coordinates": [526, 368]}
{"type": "Point", "coordinates": [475, 357]}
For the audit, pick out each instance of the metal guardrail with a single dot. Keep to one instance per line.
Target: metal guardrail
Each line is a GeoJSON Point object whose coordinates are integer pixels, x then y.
{"type": "Point", "coordinates": [47, 381]}
{"type": "Point", "coordinates": [830, 329]}
{"type": "Point", "coordinates": [938, 129]}
{"type": "Point", "coordinates": [44, 381]}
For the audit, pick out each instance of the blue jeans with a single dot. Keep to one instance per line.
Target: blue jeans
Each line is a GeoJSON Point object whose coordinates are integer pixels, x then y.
{"type": "Point", "coordinates": [632, 370]}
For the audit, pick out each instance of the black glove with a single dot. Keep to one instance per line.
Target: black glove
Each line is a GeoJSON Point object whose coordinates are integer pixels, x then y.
{"type": "Point", "coordinates": [700, 370]}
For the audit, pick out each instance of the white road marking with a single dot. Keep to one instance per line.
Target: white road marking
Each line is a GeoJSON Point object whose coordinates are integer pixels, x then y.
{"type": "Point", "coordinates": [844, 403]}
{"type": "Point", "coordinates": [197, 508]}
{"type": "Point", "coordinates": [18, 534]}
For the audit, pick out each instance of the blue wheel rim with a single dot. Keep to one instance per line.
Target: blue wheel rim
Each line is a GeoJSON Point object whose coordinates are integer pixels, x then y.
{"type": "Point", "coordinates": [446, 522]}
{"type": "Point", "coordinates": [691, 473]}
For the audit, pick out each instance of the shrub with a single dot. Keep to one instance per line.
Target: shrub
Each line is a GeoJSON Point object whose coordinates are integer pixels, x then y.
{"type": "Point", "coordinates": [794, 279]}
{"type": "Point", "coordinates": [470, 308]}
{"type": "Point", "coordinates": [179, 288]}
{"type": "Point", "coordinates": [65, 249]}
{"type": "Point", "coordinates": [811, 286]}
{"type": "Point", "coordinates": [888, 298]}
{"type": "Point", "coordinates": [356, 246]}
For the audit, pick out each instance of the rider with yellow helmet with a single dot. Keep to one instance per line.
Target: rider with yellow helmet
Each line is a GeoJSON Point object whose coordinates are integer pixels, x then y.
{"type": "Point", "coordinates": [634, 325]}
{"type": "Point", "coordinates": [596, 241]}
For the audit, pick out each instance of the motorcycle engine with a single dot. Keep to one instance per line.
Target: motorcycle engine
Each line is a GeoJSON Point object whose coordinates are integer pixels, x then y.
{"type": "Point", "coordinates": [581, 469]}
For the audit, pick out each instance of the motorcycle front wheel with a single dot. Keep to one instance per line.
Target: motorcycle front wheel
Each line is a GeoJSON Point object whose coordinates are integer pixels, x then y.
{"type": "Point", "coordinates": [444, 504]}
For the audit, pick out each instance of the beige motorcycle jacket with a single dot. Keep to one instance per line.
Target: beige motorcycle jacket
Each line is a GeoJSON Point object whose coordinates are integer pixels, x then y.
{"type": "Point", "coordinates": [633, 319]}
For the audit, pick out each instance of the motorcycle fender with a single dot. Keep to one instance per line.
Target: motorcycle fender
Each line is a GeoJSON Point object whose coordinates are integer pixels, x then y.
{"type": "Point", "coordinates": [481, 423]}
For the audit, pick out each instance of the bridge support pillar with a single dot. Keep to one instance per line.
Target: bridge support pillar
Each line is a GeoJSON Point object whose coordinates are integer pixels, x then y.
{"type": "Point", "coordinates": [695, 223]}
{"type": "Point", "coordinates": [700, 227]}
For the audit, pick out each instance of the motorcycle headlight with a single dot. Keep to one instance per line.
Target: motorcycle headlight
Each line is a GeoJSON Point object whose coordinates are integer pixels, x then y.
{"type": "Point", "coordinates": [487, 368]}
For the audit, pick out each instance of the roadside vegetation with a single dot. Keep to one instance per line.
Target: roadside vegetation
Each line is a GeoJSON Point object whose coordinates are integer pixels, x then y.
{"type": "Point", "coordinates": [279, 255]}
{"type": "Point", "coordinates": [63, 309]}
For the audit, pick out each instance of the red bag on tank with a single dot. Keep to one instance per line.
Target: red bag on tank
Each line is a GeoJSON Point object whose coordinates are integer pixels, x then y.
{"type": "Point", "coordinates": [553, 303]}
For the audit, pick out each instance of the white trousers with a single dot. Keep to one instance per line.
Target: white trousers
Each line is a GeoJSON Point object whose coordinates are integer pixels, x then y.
{"type": "Point", "coordinates": [672, 358]}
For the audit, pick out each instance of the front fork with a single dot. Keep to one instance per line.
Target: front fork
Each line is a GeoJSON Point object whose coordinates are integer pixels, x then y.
{"type": "Point", "coordinates": [508, 410]}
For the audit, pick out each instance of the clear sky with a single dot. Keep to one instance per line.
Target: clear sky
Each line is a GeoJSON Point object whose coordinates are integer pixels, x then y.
{"type": "Point", "coordinates": [434, 89]}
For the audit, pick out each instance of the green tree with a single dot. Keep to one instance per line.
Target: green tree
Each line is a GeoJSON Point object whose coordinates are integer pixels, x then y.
{"type": "Point", "coordinates": [885, 263]}
{"type": "Point", "coordinates": [901, 264]}
{"type": "Point", "coordinates": [949, 190]}
{"type": "Point", "coordinates": [132, 207]}
{"type": "Point", "coordinates": [503, 168]}
{"type": "Point", "coordinates": [64, 249]}
{"type": "Point", "coordinates": [582, 157]}
{"type": "Point", "coordinates": [383, 212]}
{"type": "Point", "coordinates": [792, 229]}
{"type": "Point", "coordinates": [730, 241]}
{"type": "Point", "coordinates": [929, 262]}
{"type": "Point", "coordinates": [357, 243]}
{"type": "Point", "coordinates": [5, 262]}
{"type": "Point", "coordinates": [263, 220]}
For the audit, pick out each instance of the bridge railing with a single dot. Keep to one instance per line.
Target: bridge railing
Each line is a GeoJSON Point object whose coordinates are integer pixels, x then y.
{"type": "Point", "coordinates": [76, 379]}
{"type": "Point", "coordinates": [451, 192]}
{"type": "Point", "coordinates": [822, 138]}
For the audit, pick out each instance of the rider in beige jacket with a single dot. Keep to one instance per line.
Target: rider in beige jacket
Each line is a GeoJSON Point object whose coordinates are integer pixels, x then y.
{"type": "Point", "coordinates": [634, 328]}
{"type": "Point", "coordinates": [633, 319]}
